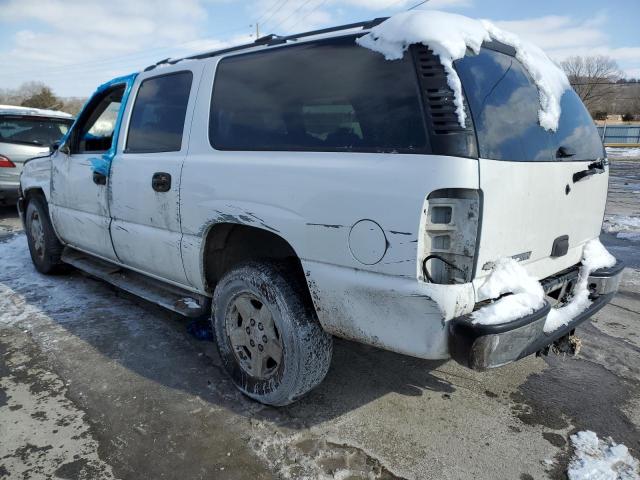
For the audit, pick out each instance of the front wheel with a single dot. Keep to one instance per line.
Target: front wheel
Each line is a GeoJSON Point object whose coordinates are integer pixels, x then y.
{"type": "Point", "coordinates": [44, 246]}
{"type": "Point", "coordinates": [268, 335]}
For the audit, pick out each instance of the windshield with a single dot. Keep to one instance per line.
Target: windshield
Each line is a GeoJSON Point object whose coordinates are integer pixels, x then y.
{"type": "Point", "coordinates": [504, 103]}
{"type": "Point", "coordinates": [37, 131]}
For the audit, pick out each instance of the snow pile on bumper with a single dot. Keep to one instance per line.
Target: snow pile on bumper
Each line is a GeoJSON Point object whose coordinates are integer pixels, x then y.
{"type": "Point", "coordinates": [594, 257]}
{"type": "Point", "coordinates": [508, 276]}
{"type": "Point", "coordinates": [528, 295]}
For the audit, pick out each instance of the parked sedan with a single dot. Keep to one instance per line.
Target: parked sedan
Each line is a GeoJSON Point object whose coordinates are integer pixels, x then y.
{"type": "Point", "coordinates": [25, 133]}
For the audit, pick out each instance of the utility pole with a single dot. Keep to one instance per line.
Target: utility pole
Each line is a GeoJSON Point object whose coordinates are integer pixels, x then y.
{"type": "Point", "coordinates": [257, 30]}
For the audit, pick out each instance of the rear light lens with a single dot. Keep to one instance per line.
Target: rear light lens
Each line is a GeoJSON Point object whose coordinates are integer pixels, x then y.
{"type": "Point", "coordinates": [6, 163]}
{"type": "Point", "coordinates": [450, 229]}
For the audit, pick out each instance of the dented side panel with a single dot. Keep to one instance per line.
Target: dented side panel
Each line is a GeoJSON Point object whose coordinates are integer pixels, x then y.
{"type": "Point", "coordinates": [313, 200]}
{"type": "Point", "coordinates": [394, 313]}
{"type": "Point", "coordinates": [145, 226]}
{"type": "Point", "coordinates": [36, 175]}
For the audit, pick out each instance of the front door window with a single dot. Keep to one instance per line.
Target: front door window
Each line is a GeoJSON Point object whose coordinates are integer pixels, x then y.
{"type": "Point", "coordinates": [95, 133]}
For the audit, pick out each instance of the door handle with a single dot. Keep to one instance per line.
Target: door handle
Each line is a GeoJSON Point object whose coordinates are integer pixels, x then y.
{"type": "Point", "coordinates": [161, 182]}
{"type": "Point", "coordinates": [99, 178]}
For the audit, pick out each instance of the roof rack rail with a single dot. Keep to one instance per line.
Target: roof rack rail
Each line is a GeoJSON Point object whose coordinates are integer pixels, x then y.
{"type": "Point", "coordinates": [269, 40]}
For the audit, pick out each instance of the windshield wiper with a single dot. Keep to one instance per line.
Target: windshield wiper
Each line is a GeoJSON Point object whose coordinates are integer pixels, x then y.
{"type": "Point", "coordinates": [565, 152]}
{"type": "Point", "coordinates": [594, 168]}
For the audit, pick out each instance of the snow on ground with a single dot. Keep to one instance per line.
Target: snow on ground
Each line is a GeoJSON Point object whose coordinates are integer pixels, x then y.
{"type": "Point", "coordinates": [508, 276]}
{"type": "Point", "coordinates": [623, 152]}
{"type": "Point", "coordinates": [13, 308]}
{"type": "Point", "coordinates": [450, 35]}
{"type": "Point", "coordinates": [623, 226]}
{"type": "Point", "coordinates": [597, 459]}
{"type": "Point", "coordinates": [19, 280]}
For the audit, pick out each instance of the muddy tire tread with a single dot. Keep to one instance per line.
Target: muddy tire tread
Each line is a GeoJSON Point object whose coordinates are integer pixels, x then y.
{"type": "Point", "coordinates": [308, 358]}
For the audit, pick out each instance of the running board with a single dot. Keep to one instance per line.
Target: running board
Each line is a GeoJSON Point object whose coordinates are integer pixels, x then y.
{"type": "Point", "coordinates": [173, 298]}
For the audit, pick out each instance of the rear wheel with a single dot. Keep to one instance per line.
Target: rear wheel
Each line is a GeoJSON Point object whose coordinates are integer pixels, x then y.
{"type": "Point", "coordinates": [44, 246]}
{"type": "Point", "coordinates": [269, 338]}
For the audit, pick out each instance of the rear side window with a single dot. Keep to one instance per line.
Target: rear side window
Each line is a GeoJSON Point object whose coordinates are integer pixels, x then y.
{"type": "Point", "coordinates": [327, 96]}
{"type": "Point", "coordinates": [157, 119]}
{"type": "Point", "coordinates": [504, 103]}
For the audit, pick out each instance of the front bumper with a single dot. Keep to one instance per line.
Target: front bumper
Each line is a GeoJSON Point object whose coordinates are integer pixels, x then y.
{"type": "Point", "coordinates": [488, 346]}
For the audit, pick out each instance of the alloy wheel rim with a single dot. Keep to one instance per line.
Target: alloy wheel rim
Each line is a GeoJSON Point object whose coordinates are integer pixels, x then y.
{"type": "Point", "coordinates": [37, 234]}
{"type": "Point", "coordinates": [254, 336]}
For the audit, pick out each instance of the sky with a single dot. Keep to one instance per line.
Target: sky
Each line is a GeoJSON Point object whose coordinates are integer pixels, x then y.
{"type": "Point", "coordinates": [75, 45]}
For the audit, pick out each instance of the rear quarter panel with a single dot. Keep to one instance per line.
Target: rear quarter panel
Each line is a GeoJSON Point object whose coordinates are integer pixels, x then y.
{"type": "Point", "coordinates": [312, 200]}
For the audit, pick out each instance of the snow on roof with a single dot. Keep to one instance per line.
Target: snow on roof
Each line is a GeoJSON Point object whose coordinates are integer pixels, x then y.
{"type": "Point", "coordinates": [38, 112]}
{"type": "Point", "coordinates": [450, 35]}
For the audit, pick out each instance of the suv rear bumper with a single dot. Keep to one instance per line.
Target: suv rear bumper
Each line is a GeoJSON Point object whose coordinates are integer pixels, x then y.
{"type": "Point", "coordinates": [8, 195]}
{"type": "Point", "coordinates": [488, 346]}
{"type": "Point", "coordinates": [21, 210]}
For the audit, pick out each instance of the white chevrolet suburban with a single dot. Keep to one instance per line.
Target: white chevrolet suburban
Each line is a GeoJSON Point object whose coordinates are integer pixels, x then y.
{"type": "Point", "coordinates": [305, 187]}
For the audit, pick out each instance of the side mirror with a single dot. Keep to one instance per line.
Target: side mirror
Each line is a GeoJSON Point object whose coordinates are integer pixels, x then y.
{"type": "Point", "coordinates": [53, 147]}
{"type": "Point", "coordinates": [64, 149]}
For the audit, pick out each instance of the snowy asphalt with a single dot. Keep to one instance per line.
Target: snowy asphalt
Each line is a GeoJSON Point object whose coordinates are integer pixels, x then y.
{"type": "Point", "coordinates": [96, 384]}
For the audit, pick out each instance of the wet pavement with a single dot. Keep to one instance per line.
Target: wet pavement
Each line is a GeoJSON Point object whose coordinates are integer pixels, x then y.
{"type": "Point", "coordinates": [97, 384]}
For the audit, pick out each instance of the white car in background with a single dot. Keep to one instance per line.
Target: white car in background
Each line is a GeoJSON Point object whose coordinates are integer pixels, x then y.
{"type": "Point", "coordinates": [25, 133]}
{"type": "Point", "coordinates": [304, 187]}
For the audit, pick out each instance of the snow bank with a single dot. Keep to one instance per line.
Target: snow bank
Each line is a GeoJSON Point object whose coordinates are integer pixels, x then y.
{"type": "Point", "coordinates": [508, 276]}
{"type": "Point", "coordinates": [594, 256]}
{"type": "Point", "coordinates": [449, 35]}
{"type": "Point", "coordinates": [596, 459]}
{"type": "Point", "coordinates": [623, 152]}
{"type": "Point", "coordinates": [623, 226]}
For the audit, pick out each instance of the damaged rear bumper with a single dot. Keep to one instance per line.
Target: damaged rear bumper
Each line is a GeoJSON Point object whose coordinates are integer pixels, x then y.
{"type": "Point", "coordinates": [488, 346]}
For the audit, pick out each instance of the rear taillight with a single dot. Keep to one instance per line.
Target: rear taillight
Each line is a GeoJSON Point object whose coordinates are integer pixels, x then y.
{"type": "Point", "coordinates": [6, 163]}
{"type": "Point", "coordinates": [450, 230]}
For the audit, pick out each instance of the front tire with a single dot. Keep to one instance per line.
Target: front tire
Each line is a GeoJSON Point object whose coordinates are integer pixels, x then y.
{"type": "Point", "coordinates": [268, 335]}
{"type": "Point", "coordinates": [44, 246]}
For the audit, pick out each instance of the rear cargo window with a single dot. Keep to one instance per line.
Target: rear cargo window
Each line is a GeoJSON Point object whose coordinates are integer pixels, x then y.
{"type": "Point", "coordinates": [31, 130]}
{"type": "Point", "coordinates": [157, 120]}
{"type": "Point", "coordinates": [504, 104]}
{"type": "Point", "coordinates": [326, 96]}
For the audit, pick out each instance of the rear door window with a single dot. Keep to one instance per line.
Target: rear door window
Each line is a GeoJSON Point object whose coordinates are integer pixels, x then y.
{"type": "Point", "coordinates": [504, 103]}
{"type": "Point", "coordinates": [327, 96]}
{"type": "Point", "coordinates": [159, 112]}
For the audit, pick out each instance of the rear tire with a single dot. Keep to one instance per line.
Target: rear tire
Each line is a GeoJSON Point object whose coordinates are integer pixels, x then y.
{"type": "Point", "coordinates": [44, 246]}
{"type": "Point", "coordinates": [269, 338]}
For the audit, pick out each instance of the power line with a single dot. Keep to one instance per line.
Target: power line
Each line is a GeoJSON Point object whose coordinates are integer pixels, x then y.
{"type": "Point", "coordinates": [275, 10]}
{"type": "Point", "coordinates": [418, 4]}
{"type": "Point", "coordinates": [282, 22]}
{"type": "Point", "coordinates": [310, 12]}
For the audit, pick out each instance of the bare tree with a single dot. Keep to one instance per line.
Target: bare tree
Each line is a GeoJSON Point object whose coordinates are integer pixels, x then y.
{"type": "Point", "coordinates": [39, 95]}
{"type": "Point", "coordinates": [593, 78]}
{"type": "Point", "coordinates": [18, 95]}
